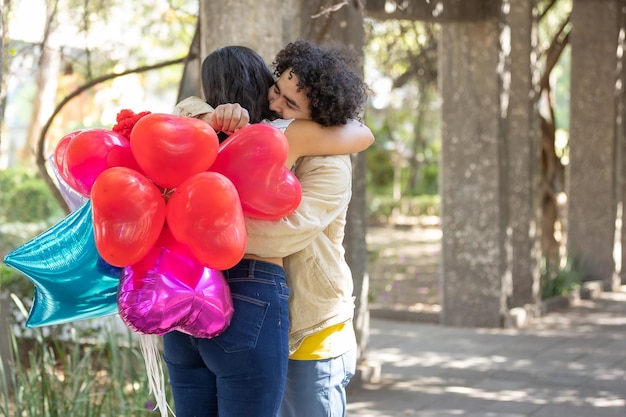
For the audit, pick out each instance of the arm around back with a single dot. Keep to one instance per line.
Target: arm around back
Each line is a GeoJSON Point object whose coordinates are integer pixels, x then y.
{"type": "Point", "coordinates": [192, 107]}
{"type": "Point", "coordinates": [307, 138]}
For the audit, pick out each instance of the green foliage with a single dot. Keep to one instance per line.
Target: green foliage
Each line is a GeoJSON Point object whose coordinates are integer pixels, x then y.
{"type": "Point", "coordinates": [553, 15]}
{"type": "Point", "coordinates": [404, 113]}
{"type": "Point", "coordinates": [9, 180]}
{"type": "Point", "coordinates": [382, 208]}
{"type": "Point", "coordinates": [379, 168]}
{"type": "Point", "coordinates": [99, 38]}
{"type": "Point", "coordinates": [560, 281]}
{"type": "Point", "coordinates": [50, 377]}
{"type": "Point", "coordinates": [27, 208]}
{"type": "Point", "coordinates": [383, 158]}
{"type": "Point", "coordinates": [26, 197]}
{"type": "Point", "coordinates": [12, 281]}
{"type": "Point", "coordinates": [161, 30]}
{"type": "Point", "coordinates": [395, 45]}
{"type": "Point", "coordinates": [562, 89]}
{"type": "Point", "coordinates": [429, 180]}
{"type": "Point", "coordinates": [30, 201]}
{"type": "Point", "coordinates": [380, 175]}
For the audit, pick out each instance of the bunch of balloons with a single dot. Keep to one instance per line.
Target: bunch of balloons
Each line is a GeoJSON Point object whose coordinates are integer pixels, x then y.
{"type": "Point", "coordinates": [165, 214]}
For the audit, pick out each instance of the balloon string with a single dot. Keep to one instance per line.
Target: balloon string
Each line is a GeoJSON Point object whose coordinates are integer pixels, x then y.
{"type": "Point", "coordinates": [156, 380]}
{"type": "Point", "coordinates": [167, 193]}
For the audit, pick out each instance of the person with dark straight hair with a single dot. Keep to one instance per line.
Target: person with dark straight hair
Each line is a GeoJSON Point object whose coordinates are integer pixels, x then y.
{"type": "Point", "coordinates": [242, 372]}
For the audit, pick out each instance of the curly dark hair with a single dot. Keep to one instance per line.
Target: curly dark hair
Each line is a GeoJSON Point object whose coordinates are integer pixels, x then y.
{"type": "Point", "coordinates": [335, 91]}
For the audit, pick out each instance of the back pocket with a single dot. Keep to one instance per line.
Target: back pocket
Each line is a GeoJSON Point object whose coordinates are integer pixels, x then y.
{"type": "Point", "coordinates": [245, 326]}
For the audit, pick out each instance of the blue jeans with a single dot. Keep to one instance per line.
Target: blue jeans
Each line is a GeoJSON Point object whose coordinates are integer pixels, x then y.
{"type": "Point", "coordinates": [240, 373]}
{"type": "Point", "coordinates": [318, 388]}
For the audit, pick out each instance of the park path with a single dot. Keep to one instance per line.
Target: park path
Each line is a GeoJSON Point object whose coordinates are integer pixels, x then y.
{"type": "Point", "coordinates": [568, 363]}
{"type": "Point", "coordinates": [404, 268]}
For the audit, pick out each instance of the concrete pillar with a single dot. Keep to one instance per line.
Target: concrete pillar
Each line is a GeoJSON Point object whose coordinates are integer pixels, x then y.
{"type": "Point", "coordinates": [523, 138]}
{"type": "Point", "coordinates": [621, 130]}
{"type": "Point", "coordinates": [592, 188]}
{"type": "Point", "coordinates": [473, 164]}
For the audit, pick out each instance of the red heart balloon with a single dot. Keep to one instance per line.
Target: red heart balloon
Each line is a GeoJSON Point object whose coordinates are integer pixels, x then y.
{"type": "Point", "coordinates": [170, 149]}
{"type": "Point", "coordinates": [253, 158]}
{"type": "Point", "coordinates": [91, 152]}
{"type": "Point", "coordinates": [167, 240]}
{"type": "Point", "coordinates": [128, 215]}
{"type": "Point", "coordinates": [205, 214]}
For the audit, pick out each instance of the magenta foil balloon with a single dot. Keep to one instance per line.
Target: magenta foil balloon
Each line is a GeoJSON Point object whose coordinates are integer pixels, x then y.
{"type": "Point", "coordinates": [169, 291]}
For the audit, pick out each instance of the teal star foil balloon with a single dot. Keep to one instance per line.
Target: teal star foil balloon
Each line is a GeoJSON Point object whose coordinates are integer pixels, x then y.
{"type": "Point", "coordinates": [72, 282]}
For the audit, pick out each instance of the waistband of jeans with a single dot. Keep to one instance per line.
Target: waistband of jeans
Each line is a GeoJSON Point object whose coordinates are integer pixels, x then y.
{"type": "Point", "coordinates": [258, 265]}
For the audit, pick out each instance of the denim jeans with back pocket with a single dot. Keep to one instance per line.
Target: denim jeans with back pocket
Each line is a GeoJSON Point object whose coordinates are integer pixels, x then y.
{"type": "Point", "coordinates": [240, 373]}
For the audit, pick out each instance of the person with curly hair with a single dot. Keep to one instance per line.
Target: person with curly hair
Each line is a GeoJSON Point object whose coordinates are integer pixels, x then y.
{"type": "Point", "coordinates": [242, 372]}
{"type": "Point", "coordinates": [332, 91]}
{"type": "Point", "coordinates": [317, 83]}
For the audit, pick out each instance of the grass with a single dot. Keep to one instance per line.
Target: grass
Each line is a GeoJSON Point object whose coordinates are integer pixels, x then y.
{"type": "Point", "coordinates": [58, 378]}
{"type": "Point", "coordinates": [560, 281]}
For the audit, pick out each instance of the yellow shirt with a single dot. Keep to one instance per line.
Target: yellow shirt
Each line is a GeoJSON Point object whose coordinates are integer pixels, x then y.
{"type": "Point", "coordinates": [328, 343]}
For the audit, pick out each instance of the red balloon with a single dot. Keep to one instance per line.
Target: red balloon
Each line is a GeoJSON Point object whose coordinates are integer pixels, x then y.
{"type": "Point", "coordinates": [60, 159]}
{"type": "Point", "coordinates": [253, 158]}
{"type": "Point", "coordinates": [167, 240]}
{"type": "Point", "coordinates": [128, 215]}
{"type": "Point", "coordinates": [187, 274]}
{"type": "Point", "coordinates": [93, 151]}
{"type": "Point", "coordinates": [205, 214]}
{"type": "Point", "coordinates": [170, 149]}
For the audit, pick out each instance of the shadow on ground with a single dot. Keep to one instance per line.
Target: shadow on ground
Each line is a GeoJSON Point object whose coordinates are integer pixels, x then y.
{"type": "Point", "coordinates": [569, 363]}
{"type": "Point", "coordinates": [404, 267]}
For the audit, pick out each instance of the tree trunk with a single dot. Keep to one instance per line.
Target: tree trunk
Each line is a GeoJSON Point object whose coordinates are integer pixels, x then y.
{"type": "Point", "coordinates": [4, 62]}
{"type": "Point", "coordinates": [419, 143]}
{"type": "Point", "coordinates": [44, 100]}
{"type": "Point", "coordinates": [250, 23]}
{"type": "Point", "coordinates": [190, 84]}
{"type": "Point", "coordinates": [47, 82]}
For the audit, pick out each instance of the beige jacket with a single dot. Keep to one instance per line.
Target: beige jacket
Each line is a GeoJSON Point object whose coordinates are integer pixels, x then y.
{"type": "Point", "coordinates": [192, 107]}
{"type": "Point", "coordinates": [310, 240]}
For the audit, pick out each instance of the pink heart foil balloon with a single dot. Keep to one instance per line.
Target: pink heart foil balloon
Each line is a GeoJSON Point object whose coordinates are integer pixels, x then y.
{"type": "Point", "coordinates": [60, 159]}
{"type": "Point", "coordinates": [89, 153]}
{"type": "Point", "coordinates": [169, 291]}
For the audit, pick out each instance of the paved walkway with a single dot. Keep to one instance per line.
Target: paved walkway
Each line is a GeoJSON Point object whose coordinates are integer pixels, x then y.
{"type": "Point", "coordinates": [570, 363]}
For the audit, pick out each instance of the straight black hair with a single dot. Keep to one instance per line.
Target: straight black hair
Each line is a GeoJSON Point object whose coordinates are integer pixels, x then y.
{"type": "Point", "coordinates": [237, 74]}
